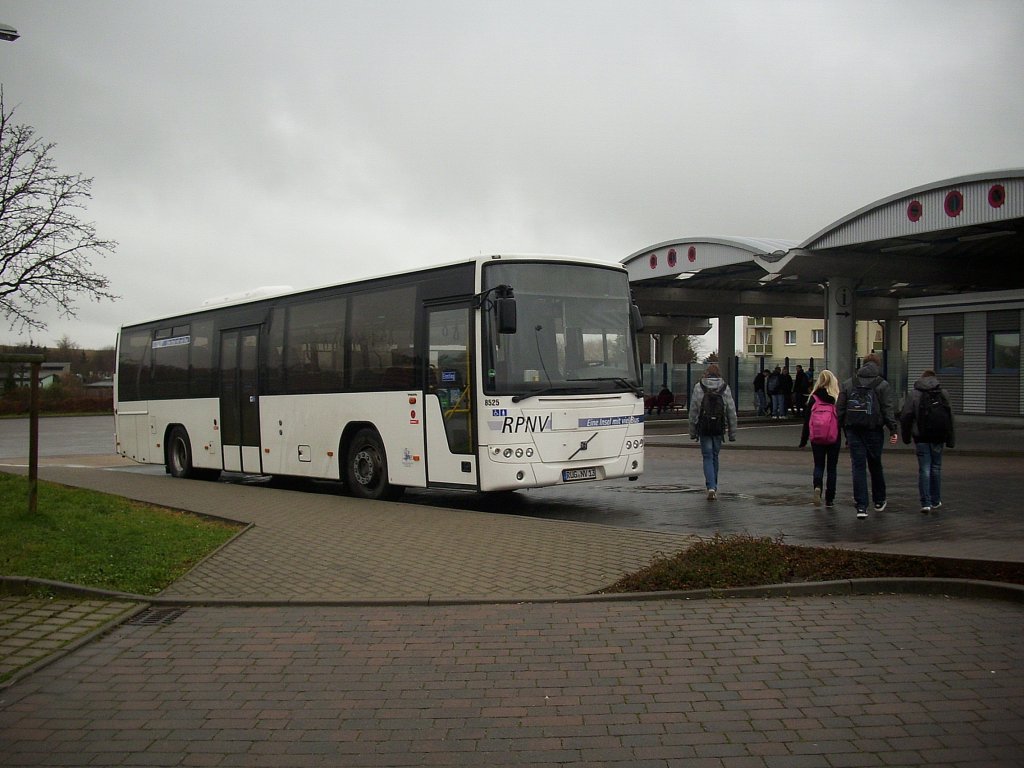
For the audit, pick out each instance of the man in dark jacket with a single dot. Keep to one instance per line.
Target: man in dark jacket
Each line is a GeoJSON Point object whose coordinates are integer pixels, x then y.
{"type": "Point", "coordinates": [786, 387]}
{"type": "Point", "coordinates": [930, 437]}
{"type": "Point", "coordinates": [866, 440]}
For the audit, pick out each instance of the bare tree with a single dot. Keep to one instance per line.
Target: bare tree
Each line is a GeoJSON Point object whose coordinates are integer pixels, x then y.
{"type": "Point", "coordinates": [45, 249]}
{"type": "Point", "coordinates": [65, 346]}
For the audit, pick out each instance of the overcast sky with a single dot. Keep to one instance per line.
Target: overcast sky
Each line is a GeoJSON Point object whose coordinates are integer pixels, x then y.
{"type": "Point", "coordinates": [243, 144]}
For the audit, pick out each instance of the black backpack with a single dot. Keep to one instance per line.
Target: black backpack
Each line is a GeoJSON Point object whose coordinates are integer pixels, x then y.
{"type": "Point", "coordinates": [934, 420]}
{"type": "Point", "coordinates": [862, 408]}
{"type": "Point", "coordinates": [711, 419]}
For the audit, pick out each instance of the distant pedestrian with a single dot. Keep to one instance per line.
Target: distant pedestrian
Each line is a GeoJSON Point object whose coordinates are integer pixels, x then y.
{"type": "Point", "coordinates": [787, 392]}
{"type": "Point", "coordinates": [760, 398]}
{"type": "Point", "coordinates": [865, 408]}
{"type": "Point", "coordinates": [927, 418]}
{"type": "Point", "coordinates": [712, 416]}
{"type": "Point", "coordinates": [773, 387]}
{"type": "Point", "coordinates": [801, 388]}
{"type": "Point", "coordinates": [821, 428]}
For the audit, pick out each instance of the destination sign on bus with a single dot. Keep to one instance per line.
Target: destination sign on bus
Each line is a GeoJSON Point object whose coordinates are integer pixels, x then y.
{"type": "Point", "coordinates": [177, 341]}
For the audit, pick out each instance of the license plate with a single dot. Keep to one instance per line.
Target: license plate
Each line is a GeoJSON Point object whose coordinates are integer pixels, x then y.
{"type": "Point", "coordinates": [584, 473]}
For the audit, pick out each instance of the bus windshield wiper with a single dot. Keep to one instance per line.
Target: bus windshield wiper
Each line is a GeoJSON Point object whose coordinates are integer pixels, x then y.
{"type": "Point", "coordinates": [543, 391]}
{"type": "Point", "coordinates": [622, 382]}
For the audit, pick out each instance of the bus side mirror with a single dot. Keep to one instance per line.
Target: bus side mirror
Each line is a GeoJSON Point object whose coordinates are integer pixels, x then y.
{"type": "Point", "coordinates": [638, 319]}
{"type": "Point", "coordinates": [505, 309]}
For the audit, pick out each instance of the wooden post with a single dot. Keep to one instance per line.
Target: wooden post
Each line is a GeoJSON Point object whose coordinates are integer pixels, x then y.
{"type": "Point", "coordinates": [33, 441]}
{"type": "Point", "coordinates": [33, 423]}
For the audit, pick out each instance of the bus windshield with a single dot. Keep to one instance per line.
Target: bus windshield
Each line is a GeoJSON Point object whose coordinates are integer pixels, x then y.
{"type": "Point", "coordinates": [573, 334]}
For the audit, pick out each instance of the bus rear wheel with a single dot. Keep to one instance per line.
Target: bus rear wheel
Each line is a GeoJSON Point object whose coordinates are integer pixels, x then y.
{"type": "Point", "coordinates": [366, 468]}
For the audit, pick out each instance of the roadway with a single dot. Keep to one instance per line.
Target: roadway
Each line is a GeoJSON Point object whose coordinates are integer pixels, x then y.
{"type": "Point", "coordinates": [765, 489]}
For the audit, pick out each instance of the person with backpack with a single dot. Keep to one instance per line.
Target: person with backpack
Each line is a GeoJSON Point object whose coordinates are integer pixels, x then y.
{"type": "Point", "coordinates": [865, 408]}
{"type": "Point", "coordinates": [712, 416]}
{"type": "Point", "coordinates": [821, 427]}
{"type": "Point", "coordinates": [927, 418]}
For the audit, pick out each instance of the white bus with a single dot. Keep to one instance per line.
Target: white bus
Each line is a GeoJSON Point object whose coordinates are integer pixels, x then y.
{"type": "Point", "coordinates": [492, 374]}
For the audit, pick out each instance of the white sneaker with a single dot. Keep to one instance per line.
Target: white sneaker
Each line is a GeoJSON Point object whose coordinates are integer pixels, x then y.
{"type": "Point", "coordinates": [936, 505]}
{"type": "Point", "coordinates": [861, 514]}
{"type": "Point", "coordinates": [712, 494]}
{"type": "Point", "coordinates": [817, 497]}
{"type": "Point", "coordinates": [925, 510]}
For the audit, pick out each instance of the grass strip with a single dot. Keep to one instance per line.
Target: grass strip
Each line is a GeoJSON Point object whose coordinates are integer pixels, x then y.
{"type": "Point", "coordinates": [97, 540]}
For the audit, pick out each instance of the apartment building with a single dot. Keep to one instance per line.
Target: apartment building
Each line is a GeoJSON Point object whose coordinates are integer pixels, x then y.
{"type": "Point", "coordinates": [776, 338]}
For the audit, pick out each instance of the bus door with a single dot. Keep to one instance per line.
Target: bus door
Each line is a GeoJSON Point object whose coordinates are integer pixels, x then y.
{"type": "Point", "coordinates": [239, 399]}
{"type": "Point", "coordinates": [449, 405]}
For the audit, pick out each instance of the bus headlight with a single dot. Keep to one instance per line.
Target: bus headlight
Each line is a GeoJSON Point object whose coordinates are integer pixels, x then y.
{"type": "Point", "coordinates": [513, 453]}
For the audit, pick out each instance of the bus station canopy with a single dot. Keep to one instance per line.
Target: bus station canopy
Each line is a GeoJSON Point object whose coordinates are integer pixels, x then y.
{"type": "Point", "coordinates": [960, 235]}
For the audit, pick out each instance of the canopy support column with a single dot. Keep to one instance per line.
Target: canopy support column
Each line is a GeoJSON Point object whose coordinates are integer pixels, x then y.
{"type": "Point", "coordinates": [840, 322]}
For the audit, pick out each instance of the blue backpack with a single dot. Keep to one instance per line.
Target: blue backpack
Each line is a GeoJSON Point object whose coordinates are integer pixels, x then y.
{"type": "Point", "coordinates": [863, 410]}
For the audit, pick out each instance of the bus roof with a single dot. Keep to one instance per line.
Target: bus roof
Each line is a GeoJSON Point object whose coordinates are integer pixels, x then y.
{"type": "Point", "coordinates": [255, 295]}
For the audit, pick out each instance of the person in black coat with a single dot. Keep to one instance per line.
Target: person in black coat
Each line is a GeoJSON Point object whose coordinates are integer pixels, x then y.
{"type": "Point", "coordinates": [787, 391]}
{"type": "Point", "coordinates": [801, 388]}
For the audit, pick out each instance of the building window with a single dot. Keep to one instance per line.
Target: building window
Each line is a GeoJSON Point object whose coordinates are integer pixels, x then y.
{"type": "Point", "coordinates": [790, 338]}
{"type": "Point", "coordinates": [1004, 352]}
{"type": "Point", "coordinates": [949, 352]}
{"type": "Point", "coordinates": [818, 336]}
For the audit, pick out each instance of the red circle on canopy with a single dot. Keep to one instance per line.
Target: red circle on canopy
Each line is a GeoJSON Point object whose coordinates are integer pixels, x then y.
{"type": "Point", "coordinates": [915, 210]}
{"type": "Point", "coordinates": [997, 195]}
{"type": "Point", "coordinates": [691, 254]}
{"type": "Point", "coordinates": [954, 203]}
{"type": "Point", "coordinates": [654, 261]}
{"type": "Point", "coordinates": [672, 257]}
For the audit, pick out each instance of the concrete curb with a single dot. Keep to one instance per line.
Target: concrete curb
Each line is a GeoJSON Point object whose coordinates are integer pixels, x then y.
{"type": "Point", "coordinates": [966, 588]}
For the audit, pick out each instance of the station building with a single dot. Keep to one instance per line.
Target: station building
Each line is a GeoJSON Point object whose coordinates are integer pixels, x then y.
{"type": "Point", "coordinates": [940, 265]}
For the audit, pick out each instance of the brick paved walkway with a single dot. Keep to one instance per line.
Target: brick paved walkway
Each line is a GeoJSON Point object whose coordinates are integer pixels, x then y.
{"type": "Point", "coordinates": [32, 629]}
{"type": "Point", "coordinates": [857, 681]}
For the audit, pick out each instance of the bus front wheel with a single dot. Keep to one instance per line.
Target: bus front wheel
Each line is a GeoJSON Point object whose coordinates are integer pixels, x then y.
{"type": "Point", "coordinates": [179, 453]}
{"type": "Point", "coordinates": [366, 468]}
{"type": "Point", "coordinates": [179, 457]}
